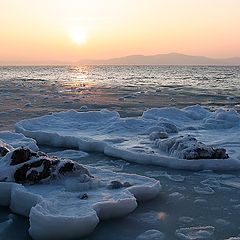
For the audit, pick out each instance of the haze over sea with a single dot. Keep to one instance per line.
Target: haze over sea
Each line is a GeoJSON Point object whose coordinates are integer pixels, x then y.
{"type": "Point", "coordinates": [185, 201]}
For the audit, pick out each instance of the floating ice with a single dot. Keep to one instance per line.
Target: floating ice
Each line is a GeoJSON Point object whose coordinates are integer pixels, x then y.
{"type": "Point", "coordinates": [151, 235]}
{"type": "Point", "coordinates": [199, 136]}
{"type": "Point", "coordinates": [66, 200]}
{"type": "Point", "coordinates": [176, 196]}
{"type": "Point", "coordinates": [222, 222]}
{"type": "Point", "coordinates": [200, 201]}
{"type": "Point", "coordinates": [195, 233]}
{"type": "Point", "coordinates": [204, 190]}
{"type": "Point", "coordinates": [233, 182]}
{"type": "Point", "coordinates": [185, 219]}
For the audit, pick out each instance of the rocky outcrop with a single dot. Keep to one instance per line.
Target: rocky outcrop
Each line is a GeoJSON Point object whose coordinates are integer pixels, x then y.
{"type": "Point", "coordinates": [33, 167]}
{"type": "Point", "coordinates": [188, 147]}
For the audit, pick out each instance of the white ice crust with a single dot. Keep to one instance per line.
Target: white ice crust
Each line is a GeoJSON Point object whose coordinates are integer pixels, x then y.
{"type": "Point", "coordinates": [18, 140]}
{"type": "Point", "coordinates": [135, 139]}
{"type": "Point", "coordinates": [70, 206]}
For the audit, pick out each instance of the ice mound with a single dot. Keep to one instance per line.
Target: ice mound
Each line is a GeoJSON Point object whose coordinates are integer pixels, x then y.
{"type": "Point", "coordinates": [191, 138]}
{"type": "Point", "coordinates": [64, 199]}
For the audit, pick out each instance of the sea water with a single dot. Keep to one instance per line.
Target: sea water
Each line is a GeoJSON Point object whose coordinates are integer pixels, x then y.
{"type": "Point", "coordinates": [188, 199]}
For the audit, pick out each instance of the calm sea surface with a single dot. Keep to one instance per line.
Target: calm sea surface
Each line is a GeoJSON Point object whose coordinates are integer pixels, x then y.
{"type": "Point", "coordinates": [27, 92]}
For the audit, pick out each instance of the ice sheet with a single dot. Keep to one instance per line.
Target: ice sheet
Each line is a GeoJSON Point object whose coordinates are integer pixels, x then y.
{"type": "Point", "coordinates": [130, 138]}
{"type": "Point", "coordinates": [69, 204]}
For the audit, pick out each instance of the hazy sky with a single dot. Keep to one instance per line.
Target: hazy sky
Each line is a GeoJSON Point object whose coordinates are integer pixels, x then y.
{"type": "Point", "coordinates": [46, 31]}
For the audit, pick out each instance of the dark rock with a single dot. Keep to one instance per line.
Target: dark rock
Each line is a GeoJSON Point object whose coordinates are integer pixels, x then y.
{"type": "Point", "coordinates": [20, 155]}
{"type": "Point", "coordinates": [83, 170]}
{"type": "Point", "coordinates": [33, 176]}
{"type": "Point", "coordinates": [3, 151]}
{"type": "Point", "coordinates": [220, 153]}
{"type": "Point", "coordinates": [22, 176]}
{"type": "Point", "coordinates": [84, 196]}
{"type": "Point", "coordinates": [67, 167]}
{"type": "Point", "coordinates": [115, 185]}
{"type": "Point", "coordinates": [127, 184]}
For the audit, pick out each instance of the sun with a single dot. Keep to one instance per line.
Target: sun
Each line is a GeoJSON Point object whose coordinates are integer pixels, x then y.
{"type": "Point", "coordinates": [78, 35]}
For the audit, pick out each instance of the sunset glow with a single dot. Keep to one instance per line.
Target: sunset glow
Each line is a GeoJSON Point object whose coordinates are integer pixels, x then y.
{"type": "Point", "coordinates": [41, 31]}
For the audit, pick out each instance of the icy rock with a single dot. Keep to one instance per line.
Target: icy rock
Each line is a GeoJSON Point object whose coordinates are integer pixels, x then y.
{"type": "Point", "coordinates": [20, 155]}
{"type": "Point", "coordinates": [71, 198]}
{"type": "Point", "coordinates": [187, 147]}
{"type": "Point", "coordinates": [151, 235]}
{"type": "Point", "coordinates": [4, 148]}
{"type": "Point", "coordinates": [84, 108]}
{"type": "Point", "coordinates": [195, 233]}
{"type": "Point", "coordinates": [25, 166]}
{"type": "Point", "coordinates": [116, 184]}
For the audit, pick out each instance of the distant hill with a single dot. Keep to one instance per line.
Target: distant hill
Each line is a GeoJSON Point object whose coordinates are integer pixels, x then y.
{"type": "Point", "coordinates": [164, 59]}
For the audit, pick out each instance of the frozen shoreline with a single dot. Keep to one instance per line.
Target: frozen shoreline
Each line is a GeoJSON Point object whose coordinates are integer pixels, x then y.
{"type": "Point", "coordinates": [131, 138]}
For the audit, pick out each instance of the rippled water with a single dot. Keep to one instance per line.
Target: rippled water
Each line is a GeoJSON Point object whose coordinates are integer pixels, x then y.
{"type": "Point", "coordinates": [33, 91]}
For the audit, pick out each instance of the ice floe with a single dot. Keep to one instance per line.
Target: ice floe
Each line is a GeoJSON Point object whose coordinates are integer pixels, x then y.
{"type": "Point", "coordinates": [193, 138]}
{"type": "Point", "coordinates": [64, 199]}
{"type": "Point", "coordinates": [151, 235]}
{"type": "Point", "coordinates": [195, 233]}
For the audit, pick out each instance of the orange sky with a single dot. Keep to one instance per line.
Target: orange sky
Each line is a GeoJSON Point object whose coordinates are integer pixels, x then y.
{"type": "Point", "coordinates": [39, 31]}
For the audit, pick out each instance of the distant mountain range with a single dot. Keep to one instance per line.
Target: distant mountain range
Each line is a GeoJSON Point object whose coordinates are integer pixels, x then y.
{"type": "Point", "coordinates": [164, 59]}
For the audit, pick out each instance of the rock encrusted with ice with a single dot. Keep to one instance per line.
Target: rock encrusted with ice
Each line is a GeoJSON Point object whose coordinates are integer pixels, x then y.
{"type": "Point", "coordinates": [190, 138]}
{"type": "Point", "coordinates": [187, 147]}
{"type": "Point", "coordinates": [22, 165]}
{"type": "Point", "coordinates": [64, 199]}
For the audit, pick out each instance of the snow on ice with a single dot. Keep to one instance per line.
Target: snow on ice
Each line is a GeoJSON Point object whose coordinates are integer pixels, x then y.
{"type": "Point", "coordinates": [193, 138]}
